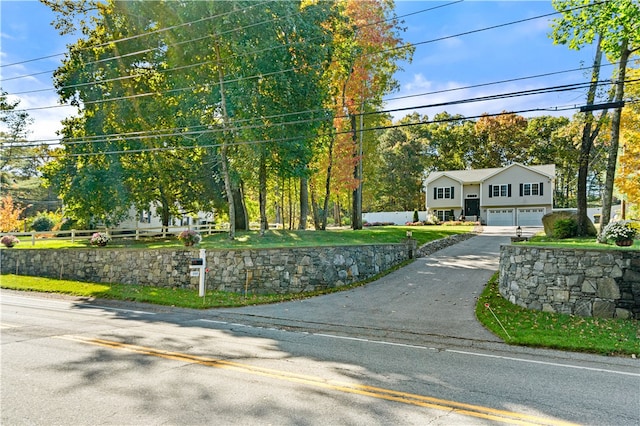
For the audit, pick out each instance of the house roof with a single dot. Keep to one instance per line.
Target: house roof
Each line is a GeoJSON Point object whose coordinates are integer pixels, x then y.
{"type": "Point", "coordinates": [480, 175]}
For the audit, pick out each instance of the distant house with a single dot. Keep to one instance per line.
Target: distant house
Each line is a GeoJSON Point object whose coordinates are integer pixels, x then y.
{"type": "Point", "coordinates": [507, 196]}
{"type": "Point", "coordinates": [150, 219]}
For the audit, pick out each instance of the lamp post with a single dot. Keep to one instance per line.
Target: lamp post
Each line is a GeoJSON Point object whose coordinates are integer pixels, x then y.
{"type": "Point", "coordinates": [518, 232]}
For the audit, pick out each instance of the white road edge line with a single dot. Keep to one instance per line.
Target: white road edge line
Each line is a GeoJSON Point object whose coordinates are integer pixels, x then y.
{"type": "Point", "coordinates": [553, 364]}
{"type": "Point", "coordinates": [404, 345]}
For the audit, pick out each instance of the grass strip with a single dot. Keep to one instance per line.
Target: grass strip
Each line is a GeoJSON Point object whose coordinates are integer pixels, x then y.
{"type": "Point", "coordinates": [556, 331]}
{"type": "Point", "coordinates": [275, 238]}
{"type": "Point", "coordinates": [576, 243]}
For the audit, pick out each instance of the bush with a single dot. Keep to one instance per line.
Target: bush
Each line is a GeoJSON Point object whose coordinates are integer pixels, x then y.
{"type": "Point", "coordinates": [565, 228]}
{"type": "Point", "coordinates": [100, 239]}
{"type": "Point", "coordinates": [42, 223]}
{"type": "Point", "coordinates": [415, 216]}
{"type": "Point", "coordinates": [189, 237]}
{"type": "Point", "coordinates": [619, 231]}
{"type": "Point", "coordinates": [9, 240]}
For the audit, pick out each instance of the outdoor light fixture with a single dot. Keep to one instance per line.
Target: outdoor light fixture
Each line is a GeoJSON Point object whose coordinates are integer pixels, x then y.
{"type": "Point", "coordinates": [409, 234]}
{"type": "Point", "coordinates": [518, 232]}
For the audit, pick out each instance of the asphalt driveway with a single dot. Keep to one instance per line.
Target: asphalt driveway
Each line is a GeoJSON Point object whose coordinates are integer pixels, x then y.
{"type": "Point", "coordinates": [432, 299]}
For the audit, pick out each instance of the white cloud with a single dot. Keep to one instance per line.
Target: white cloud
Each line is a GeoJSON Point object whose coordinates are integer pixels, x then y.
{"type": "Point", "coordinates": [416, 97]}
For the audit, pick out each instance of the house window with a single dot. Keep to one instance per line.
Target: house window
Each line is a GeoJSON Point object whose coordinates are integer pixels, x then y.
{"type": "Point", "coordinates": [444, 215]}
{"type": "Point", "coordinates": [500, 190]}
{"type": "Point", "coordinates": [443, 192]}
{"type": "Point", "coordinates": [528, 189]}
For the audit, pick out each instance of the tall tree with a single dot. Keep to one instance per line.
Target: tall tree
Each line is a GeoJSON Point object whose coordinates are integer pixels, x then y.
{"type": "Point", "coordinates": [401, 171]}
{"type": "Point", "coordinates": [450, 142]}
{"type": "Point", "coordinates": [502, 139]}
{"type": "Point", "coordinates": [617, 24]}
{"type": "Point", "coordinates": [15, 152]}
{"type": "Point", "coordinates": [366, 50]}
{"type": "Point", "coordinates": [170, 102]}
{"type": "Point", "coordinates": [552, 142]}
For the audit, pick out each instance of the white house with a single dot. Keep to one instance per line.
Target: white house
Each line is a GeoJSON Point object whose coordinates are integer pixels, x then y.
{"type": "Point", "coordinates": [150, 219]}
{"type": "Point", "coordinates": [507, 196]}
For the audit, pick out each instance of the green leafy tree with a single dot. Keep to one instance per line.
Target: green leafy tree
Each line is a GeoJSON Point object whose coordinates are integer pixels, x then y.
{"type": "Point", "coordinates": [401, 171]}
{"type": "Point", "coordinates": [450, 142]}
{"type": "Point", "coordinates": [366, 52]}
{"type": "Point", "coordinates": [501, 139]}
{"type": "Point", "coordinates": [16, 154]}
{"type": "Point", "coordinates": [616, 27]}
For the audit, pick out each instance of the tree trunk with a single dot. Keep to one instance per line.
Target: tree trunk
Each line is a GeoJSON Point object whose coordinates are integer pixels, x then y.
{"type": "Point", "coordinates": [291, 211]}
{"type": "Point", "coordinates": [314, 211]}
{"type": "Point", "coordinates": [165, 216]}
{"type": "Point", "coordinates": [356, 205]}
{"type": "Point", "coordinates": [241, 219]}
{"type": "Point", "coordinates": [327, 188]}
{"type": "Point", "coordinates": [223, 150]}
{"type": "Point", "coordinates": [586, 144]}
{"type": "Point", "coordinates": [262, 177]}
{"type": "Point", "coordinates": [615, 140]}
{"type": "Point", "coordinates": [304, 203]}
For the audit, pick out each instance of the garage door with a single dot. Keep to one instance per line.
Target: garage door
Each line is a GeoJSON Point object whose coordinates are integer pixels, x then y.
{"type": "Point", "coordinates": [500, 217]}
{"type": "Point", "coordinates": [530, 217]}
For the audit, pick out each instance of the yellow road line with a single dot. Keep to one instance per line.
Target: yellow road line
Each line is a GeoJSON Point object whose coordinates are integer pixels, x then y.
{"type": "Point", "coordinates": [371, 391]}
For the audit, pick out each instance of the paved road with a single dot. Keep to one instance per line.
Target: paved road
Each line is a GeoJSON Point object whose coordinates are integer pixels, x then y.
{"type": "Point", "coordinates": [432, 299]}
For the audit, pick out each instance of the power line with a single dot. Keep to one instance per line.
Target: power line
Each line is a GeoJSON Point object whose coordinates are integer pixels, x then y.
{"type": "Point", "coordinates": [317, 65]}
{"type": "Point", "coordinates": [387, 99]}
{"type": "Point", "coordinates": [200, 63]}
{"type": "Point", "coordinates": [306, 136]}
{"type": "Point", "coordinates": [139, 35]}
{"type": "Point", "coordinates": [191, 131]}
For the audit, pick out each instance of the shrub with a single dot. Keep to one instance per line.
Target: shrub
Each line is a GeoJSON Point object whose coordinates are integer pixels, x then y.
{"type": "Point", "coordinates": [415, 216]}
{"type": "Point", "coordinates": [565, 228]}
{"type": "Point", "coordinates": [9, 240]}
{"type": "Point", "coordinates": [432, 220]}
{"type": "Point", "coordinates": [42, 223]}
{"type": "Point", "coordinates": [189, 237]}
{"type": "Point", "coordinates": [100, 239]}
{"type": "Point", "coordinates": [619, 231]}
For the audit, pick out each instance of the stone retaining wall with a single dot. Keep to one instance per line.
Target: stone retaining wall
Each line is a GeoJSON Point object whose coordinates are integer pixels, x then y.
{"type": "Point", "coordinates": [598, 283]}
{"type": "Point", "coordinates": [282, 270]}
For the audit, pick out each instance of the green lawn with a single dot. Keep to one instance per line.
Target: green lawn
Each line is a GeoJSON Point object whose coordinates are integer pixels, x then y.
{"type": "Point", "coordinates": [182, 298]}
{"type": "Point", "coordinates": [272, 238]}
{"type": "Point", "coordinates": [578, 242]}
{"type": "Point", "coordinates": [557, 331]}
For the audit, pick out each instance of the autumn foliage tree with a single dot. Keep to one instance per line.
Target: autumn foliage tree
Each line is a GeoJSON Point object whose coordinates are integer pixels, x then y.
{"type": "Point", "coordinates": [366, 51]}
{"type": "Point", "coordinates": [628, 175]}
{"type": "Point", "coordinates": [9, 214]}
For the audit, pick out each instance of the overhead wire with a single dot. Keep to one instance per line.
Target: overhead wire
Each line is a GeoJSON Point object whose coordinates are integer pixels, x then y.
{"type": "Point", "coordinates": [300, 137]}
{"type": "Point", "coordinates": [197, 39]}
{"type": "Point", "coordinates": [155, 93]}
{"type": "Point", "coordinates": [162, 71]}
{"type": "Point", "coordinates": [133, 37]}
{"type": "Point", "coordinates": [191, 131]}
{"type": "Point", "coordinates": [451, 103]}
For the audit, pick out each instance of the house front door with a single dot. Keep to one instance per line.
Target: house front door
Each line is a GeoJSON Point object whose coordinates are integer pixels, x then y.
{"type": "Point", "coordinates": [472, 207]}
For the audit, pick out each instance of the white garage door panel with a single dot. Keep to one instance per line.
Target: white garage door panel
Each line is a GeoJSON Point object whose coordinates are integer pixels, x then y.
{"type": "Point", "coordinates": [500, 217]}
{"type": "Point", "coordinates": [530, 217]}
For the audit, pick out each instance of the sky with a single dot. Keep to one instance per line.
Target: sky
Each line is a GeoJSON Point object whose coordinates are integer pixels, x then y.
{"type": "Point", "coordinates": [445, 64]}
